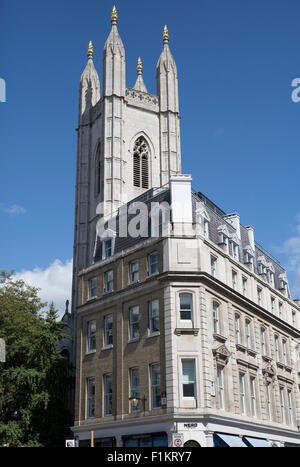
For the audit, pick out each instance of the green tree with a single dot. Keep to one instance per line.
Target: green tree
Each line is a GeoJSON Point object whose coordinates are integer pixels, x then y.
{"type": "Point", "coordinates": [35, 379]}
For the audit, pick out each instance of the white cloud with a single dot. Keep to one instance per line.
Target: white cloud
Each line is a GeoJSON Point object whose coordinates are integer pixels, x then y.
{"type": "Point", "coordinates": [13, 210]}
{"type": "Point", "coordinates": [291, 247]}
{"type": "Point", "coordinates": [55, 282]}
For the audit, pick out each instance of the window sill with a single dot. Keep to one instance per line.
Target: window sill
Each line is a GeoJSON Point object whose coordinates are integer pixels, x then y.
{"type": "Point", "coordinates": [251, 352]}
{"type": "Point", "coordinates": [266, 358]}
{"type": "Point", "coordinates": [107, 347]}
{"type": "Point", "coordinates": [90, 352]}
{"type": "Point", "coordinates": [154, 274]}
{"type": "Point", "coordinates": [219, 337]}
{"type": "Point", "coordinates": [89, 299]}
{"type": "Point", "coordinates": [180, 331]}
{"type": "Point", "coordinates": [135, 339]}
{"type": "Point", "coordinates": [154, 334]}
{"type": "Point", "coordinates": [241, 347]}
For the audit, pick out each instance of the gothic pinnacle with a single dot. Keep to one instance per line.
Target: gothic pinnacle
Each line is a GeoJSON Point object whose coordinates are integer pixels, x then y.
{"type": "Point", "coordinates": [166, 35]}
{"type": "Point", "coordinates": [114, 16]}
{"type": "Point", "coordinates": [90, 50]}
{"type": "Point", "coordinates": [139, 66]}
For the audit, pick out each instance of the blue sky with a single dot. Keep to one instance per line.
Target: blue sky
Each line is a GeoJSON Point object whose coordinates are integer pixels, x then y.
{"type": "Point", "coordinates": [239, 128]}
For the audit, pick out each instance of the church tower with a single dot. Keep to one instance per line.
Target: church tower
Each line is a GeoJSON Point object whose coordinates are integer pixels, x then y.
{"type": "Point", "coordinates": [128, 139]}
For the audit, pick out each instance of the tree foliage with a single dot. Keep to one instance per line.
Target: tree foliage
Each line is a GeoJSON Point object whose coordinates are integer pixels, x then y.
{"type": "Point", "coordinates": [35, 379]}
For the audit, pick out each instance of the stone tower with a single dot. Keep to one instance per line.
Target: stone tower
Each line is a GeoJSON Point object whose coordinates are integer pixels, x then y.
{"type": "Point", "coordinates": [128, 140]}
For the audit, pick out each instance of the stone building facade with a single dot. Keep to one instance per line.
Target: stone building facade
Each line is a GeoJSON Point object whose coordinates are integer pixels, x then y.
{"type": "Point", "coordinates": [185, 325]}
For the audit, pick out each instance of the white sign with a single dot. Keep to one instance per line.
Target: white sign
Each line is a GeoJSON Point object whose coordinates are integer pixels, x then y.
{"type": "Point", "coordinates": [177, 440]}
{"type": "Point", "coordinates": [70, 443]}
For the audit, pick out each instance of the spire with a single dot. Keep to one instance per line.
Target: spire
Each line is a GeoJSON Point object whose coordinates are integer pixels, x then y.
{"type": "Point", "coordinates": [89, 92]}
{"type": "Point", "coordinates": [166, 77]}
{"type": "Point", "coordinates": [114, 16]}
{"type": "Point", "coordinates": [139, 66]}
{"type": "Point", "coordinates": [90, 51]}
{"type": "Point", "coordinates": [114, 61]}
{"type": "Point", "coordinates": [166, 35]}
{"type": "Point", "coordinates": [140, 85]}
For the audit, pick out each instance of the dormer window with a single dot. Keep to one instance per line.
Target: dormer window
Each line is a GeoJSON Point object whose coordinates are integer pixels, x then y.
{"type": "Point", "coordinates": [262, 265]}
{"type": "Point", "coordinates": [283, 282]}
{"type": "Point", "coordinates": [248, 255]}
{"type": "Point", "coordinates": [234, 249]}
{"type": "Point", "coordinates": [203, 219]}
{"type": "Point", "coordinates": [261, 268]}
{"type": "Point", "coordinates": [108, 248]}
{"type": "Point", "coordinates": [223, 239]}
{"type": "Point", "coordinates": [270, 277]}
{"type": "Point", "coordinates": [223, 236]}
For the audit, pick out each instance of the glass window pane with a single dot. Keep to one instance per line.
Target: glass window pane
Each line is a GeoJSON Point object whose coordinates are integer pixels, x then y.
{"type": "Point", "coordinates": [186, 304]}
{"type": "Point", "coordinates": [188, 378]}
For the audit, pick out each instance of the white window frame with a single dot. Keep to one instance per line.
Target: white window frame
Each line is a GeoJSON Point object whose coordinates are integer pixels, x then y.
{"type": "Point", "coordinates": [92, 287]}
{"type": "Point", "coordinates": [237, 328]}
{"type": "Point", "coordinates": [153, 318]}
{"type": "Point", "coordinates": [190, 310]}
{"type": "Point", "coordinates": [216, 317]}
{"type": "Point", "coordinates": [133, 273]}
{"type": "Point", "coordinates": [259, 296]}
{"type": "Point", "coordinates": [280, 308]}
{"type": "Point", "coordinates": [245, 286]}
{"type": "Point", "coordinates": [206, 228]}
{"type": "Point", "coordinates": [135, 389]}
{"type": "Point", "coordinates": [290, 406]}
{"type": "Point", "coordinates": [243, 394]}
{"type": "Point", "coordinates": [193, 380]}
{"type": "Point", "coordinates": [284, 352]}
{"type": "Point", "coordinates": [253, 396]}
{"type": "Point", "coordinates": [155, 388]}
{"type": "Point", "coordinates": [213, 265]}
{"type": "Point", "coordinates": [107, 394]}
{"type": "Point", "coordinates": [263, 341]}
{"type": "Point", "coordinates": [248, 333]}
{"type": "Point", "coordinates": [91, 336]}
{"type": "Point", "coordinates": [269, 402]}
{"type": "Point", "coordinates": [294, 319]}
{"type": "Point", "coordinates": [109, 281]}
{"type": "Point", "coordinates": [108, 330]}
{"type": "Point", "coordinates": [276, 342]}
{"type": "Point", "coordinates": [234, 279]}
{"type": "Point", "coordinates": [273, 301]}
{"type": "Point", "coordinates": [151, 264]}
{"type": "Point", "coordinates": [134, 324]}
{"type": "Point", "coordinates": [282, 405]}
{"type": "Point", "coordinates": [109, 250]}
{"type": "Point", "coordinates": [220, 387]}
{"type": "Point", "coordinates": [90, 397]}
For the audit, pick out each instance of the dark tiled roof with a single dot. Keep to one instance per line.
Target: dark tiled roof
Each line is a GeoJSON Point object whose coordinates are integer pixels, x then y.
{"type": "Point", "coordinates": [217, 219]}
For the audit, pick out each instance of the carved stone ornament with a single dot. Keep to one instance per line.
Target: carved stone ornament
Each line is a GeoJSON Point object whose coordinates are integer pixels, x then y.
{"type": "Point", "coordinates": [222, 353]}
{"type": "Point", "coordinates": [269, 370]}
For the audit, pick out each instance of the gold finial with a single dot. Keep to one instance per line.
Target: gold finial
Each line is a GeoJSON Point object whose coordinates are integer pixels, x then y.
{"type": "Point", "coordinates": [114, 15]}
{"type": "Point", "coordinates": [166, 34]}
{"type": "Point", "coordinates": [139, 66]}
{"type": "Point", "coordinates": [90, 50]}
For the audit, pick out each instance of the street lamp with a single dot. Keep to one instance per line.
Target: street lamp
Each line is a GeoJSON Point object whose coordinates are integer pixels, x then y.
{"type": "Point", "coordinates": [135, 400]}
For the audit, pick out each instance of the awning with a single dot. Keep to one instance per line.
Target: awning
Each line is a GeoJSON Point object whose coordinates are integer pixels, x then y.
{"type": "Point", "coordinates": [232, 441]}
{"type": "Point", "coordinates": [256, 442]}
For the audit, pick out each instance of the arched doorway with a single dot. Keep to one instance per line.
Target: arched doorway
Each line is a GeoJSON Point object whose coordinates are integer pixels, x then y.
{"type": "Point", "coordinates": [192, 444]}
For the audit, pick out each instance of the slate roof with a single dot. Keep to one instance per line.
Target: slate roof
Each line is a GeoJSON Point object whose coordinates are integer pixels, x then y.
{"type": "Point", "coordinates": [217, 219]}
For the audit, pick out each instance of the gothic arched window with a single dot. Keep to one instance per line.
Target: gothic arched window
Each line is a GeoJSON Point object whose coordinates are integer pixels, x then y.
{"type": "Point", "coordinates": [141, 163]}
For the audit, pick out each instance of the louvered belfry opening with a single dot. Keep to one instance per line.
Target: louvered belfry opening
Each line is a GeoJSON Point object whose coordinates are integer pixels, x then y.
{"type": "Point", "coordinates": [141, 163]}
